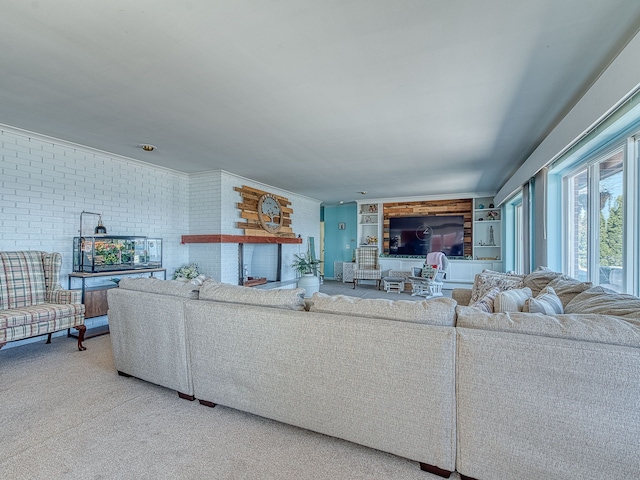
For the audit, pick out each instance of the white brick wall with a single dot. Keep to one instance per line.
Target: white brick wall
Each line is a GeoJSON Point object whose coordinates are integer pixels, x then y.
{"type": "Point", "coordinates": [46, 183]}
{"type": "Point", "coordinates": [218, 214]}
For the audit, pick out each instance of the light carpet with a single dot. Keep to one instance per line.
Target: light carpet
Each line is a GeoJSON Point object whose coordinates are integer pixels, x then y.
{"type": "Point", "coordinates": [68, 415]}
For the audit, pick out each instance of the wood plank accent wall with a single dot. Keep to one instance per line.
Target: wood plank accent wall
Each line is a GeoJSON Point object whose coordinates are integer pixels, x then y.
{"type": "Point", "coordinates": [432, 207]}
{"type": "Point", "coordinates": [249, 212]}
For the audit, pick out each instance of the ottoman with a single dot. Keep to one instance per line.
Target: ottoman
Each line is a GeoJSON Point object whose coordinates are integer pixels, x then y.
{"type": "Point", "coordinates": [393, 284]}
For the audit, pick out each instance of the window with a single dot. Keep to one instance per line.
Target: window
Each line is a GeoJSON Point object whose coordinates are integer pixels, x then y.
{"type": "Point", "coordinates": [595, 226]}
{"type": "Point", "coordinates": [514, 218]}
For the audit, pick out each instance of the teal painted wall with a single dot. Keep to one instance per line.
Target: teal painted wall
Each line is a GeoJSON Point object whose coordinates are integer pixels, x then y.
{"type": "Point", "coordinates": [335, 240]}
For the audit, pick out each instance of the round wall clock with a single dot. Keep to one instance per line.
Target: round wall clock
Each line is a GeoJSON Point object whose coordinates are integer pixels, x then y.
{"type": "Point", "coordinates": [270, 213]}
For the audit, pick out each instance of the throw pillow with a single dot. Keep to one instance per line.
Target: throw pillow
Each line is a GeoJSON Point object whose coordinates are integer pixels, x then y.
{"type": "Point", "coordinates": [486, 281]}
{"type": "Point", "coordinates": [603, 301]}
{"type": "Point", "coordinates": [486, 303]}
{"type": "Point", "coordinates": [511, 300]}
{"type": "Point", "coordinates": [547, 302]}
{"type": "Point", "coordinates": [567, 288]}
{"type": "Point", "coordinates": [540, 278]}
{"type": "Point", "coordinates": [429, 272]}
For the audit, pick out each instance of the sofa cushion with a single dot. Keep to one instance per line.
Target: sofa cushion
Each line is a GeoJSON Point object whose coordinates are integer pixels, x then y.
{"type": "Point", "coordinates": [567, 288]}
{"type": "Point", "coordinates": [22, 279]}
{"type": "Point", "coordinates": [288, 299]}
{"type": "Point", "coordinates": [436, 311]}
{"type": "Point", "coordinates": [546, 302]}
{"type": "Point", "coordinates": [486, 302]}
{"type": "Point", "coordinates": [540, 278]}
{"type": "Point", "coordinates": [487, 280]}
{"type": "Point", "coordinates": [44, 312]}
{"type": "Point", "coordinates": [606, 302]}
{"type": "Point", "coordinates": [511, 300]}
{"type": "Point", "coordinates": [583, 327]}
{"type": "Point", "coordinates": [162, 287]}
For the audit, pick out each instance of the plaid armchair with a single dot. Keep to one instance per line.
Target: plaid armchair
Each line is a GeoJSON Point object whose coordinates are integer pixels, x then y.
{"type": "Point", "coordinates": [32, 302]}
{"type": "Point", "coordinates": [367, 266]}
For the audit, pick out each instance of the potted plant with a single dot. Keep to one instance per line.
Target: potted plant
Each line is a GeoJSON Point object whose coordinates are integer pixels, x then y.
{"type": "Point", "coordinates": [307, 267]}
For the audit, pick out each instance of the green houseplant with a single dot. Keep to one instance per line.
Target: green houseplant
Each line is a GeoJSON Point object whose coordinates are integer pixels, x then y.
{"type": "Point", "coordinates": [305, 264]}
{"type": "Point", "coordinates": [307, 267]}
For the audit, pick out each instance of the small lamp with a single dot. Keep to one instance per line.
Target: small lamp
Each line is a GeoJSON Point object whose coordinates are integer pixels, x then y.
{"type": "Point", "coordinates": [100, 228]}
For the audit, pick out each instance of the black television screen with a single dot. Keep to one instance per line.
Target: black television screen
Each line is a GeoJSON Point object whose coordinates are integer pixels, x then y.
{"type": "Point", "coordinates": [421, 235]}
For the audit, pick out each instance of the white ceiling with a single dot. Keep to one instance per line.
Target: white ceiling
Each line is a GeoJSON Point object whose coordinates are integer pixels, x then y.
{"type": "Point", "coordinates": [320, 97]}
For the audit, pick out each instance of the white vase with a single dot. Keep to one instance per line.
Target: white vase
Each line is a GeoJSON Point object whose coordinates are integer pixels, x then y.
{"type": "Point", "coordinates": [310, 283]}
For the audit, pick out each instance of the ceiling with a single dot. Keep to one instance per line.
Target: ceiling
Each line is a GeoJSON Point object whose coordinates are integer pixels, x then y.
{"type": "Point", "coordinates": [325, 98]}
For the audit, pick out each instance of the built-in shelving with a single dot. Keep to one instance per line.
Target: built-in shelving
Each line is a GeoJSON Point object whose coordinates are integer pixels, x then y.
{"type": "Point", "coordinates": [487, 230]}
{"type": "Point", "coordinates": [369, 223]}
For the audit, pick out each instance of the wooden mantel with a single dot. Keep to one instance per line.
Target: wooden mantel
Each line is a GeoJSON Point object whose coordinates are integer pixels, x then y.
{"type": "Point", "coordinates": [220, 238]}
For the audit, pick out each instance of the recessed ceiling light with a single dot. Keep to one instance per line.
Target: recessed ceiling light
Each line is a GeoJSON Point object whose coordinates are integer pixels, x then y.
{"type": "Point", "coordinates": [147, 148]}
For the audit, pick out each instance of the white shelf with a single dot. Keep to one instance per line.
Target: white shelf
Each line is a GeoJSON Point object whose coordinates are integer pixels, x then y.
{"type": "Point", "coordinates": [484, 228]}
{"type": "Point", "coordinates": [369, 224]}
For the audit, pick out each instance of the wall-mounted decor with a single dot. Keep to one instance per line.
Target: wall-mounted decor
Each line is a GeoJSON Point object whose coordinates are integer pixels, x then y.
{"type": "Point", "coordinates": [342, 226]}
{"type": "Point", "coordinates": [270, 213]}
{"type": "Point", "coordinates": [264, 213]}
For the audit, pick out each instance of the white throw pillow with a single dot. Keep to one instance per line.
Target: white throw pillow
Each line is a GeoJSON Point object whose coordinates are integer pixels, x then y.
{"type": "Point", "coordinates": [511, 300]}
{"type": "Point", "coordinates": [546, 302]}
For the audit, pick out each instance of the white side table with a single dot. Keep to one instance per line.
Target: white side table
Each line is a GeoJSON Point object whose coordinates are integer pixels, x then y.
{"type": "Point", "coordinates": [347, 272]}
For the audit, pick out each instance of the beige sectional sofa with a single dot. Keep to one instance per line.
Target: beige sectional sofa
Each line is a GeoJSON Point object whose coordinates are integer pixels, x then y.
{"type": "Point", "coordinates": [500, 395]}
{"type": "Point", "coordinates": [383, 383]}
{"type": "Point", "coordinates": [549, 395]}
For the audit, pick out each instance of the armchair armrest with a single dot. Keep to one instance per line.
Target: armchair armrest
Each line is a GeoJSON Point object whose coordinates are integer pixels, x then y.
{"type": "Point", "coordinates": [64, 296]}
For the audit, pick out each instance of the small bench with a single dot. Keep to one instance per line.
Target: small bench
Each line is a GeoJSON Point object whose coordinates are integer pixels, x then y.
{"type": "Point", "coordinates": [393, 284]}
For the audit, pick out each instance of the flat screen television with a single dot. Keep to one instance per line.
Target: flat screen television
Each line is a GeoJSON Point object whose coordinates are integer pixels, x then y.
{"type": "Point", "coordinates": [421, 235]}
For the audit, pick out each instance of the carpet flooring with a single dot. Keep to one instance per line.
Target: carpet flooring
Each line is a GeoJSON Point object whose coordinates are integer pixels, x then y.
{"type": "Point", "coordinates": [368, 290]}
{"type": "Point", "coordinates": [66, 414]}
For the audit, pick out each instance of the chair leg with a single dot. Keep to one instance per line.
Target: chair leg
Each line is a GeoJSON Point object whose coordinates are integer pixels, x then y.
{"type": "Point", "coordinates": [81, 329]}
{"type": "Point", "coordinates": [355, 282]}
{"type": "Point", "coordinates": [48, 338]}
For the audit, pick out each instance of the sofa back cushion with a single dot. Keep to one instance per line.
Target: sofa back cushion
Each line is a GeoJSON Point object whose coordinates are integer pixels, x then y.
{"type": "Point", "coordinates": [584, 327]}
{"type": "Point", "coordinates": [162, 287]}
{"type": "Point", "coordinates": [436, 311]}
{"type": "Point", "coordinates": [600, 300]}
{"type": "Point", "coordinates": [288, 298]}
{"type": "Point", "coordinates": [22, 279]}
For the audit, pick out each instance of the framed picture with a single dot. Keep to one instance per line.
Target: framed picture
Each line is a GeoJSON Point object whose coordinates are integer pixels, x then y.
{"type": "Point", "coordinates": [342, 226]}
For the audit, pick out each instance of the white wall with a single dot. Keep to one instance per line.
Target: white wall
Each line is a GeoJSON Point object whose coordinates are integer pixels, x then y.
{"type": "Point", "coordinates": [45, 183]}
{"type": "Point", "coordinates": [213, 210]}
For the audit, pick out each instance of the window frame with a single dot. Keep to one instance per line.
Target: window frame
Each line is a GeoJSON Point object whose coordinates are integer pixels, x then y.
{"type": "Point", "coordinates": [629, 147]}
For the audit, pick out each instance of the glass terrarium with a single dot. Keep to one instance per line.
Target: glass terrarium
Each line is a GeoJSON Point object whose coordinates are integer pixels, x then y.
{"type": "Point", "coordinates": [93, 254]}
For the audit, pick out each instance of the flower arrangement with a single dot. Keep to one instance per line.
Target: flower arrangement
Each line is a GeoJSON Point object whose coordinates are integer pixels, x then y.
{"type": "Point", "coordinates": [188, 271]}
{"type": "Point", "coordinates": [493, 214]}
